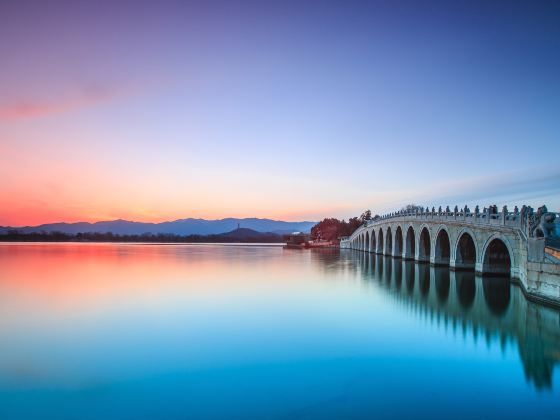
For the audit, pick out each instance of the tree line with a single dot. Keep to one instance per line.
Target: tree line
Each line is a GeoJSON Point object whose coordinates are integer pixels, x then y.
{"type": "Point", "coordinates": [331, 229]}
{"type": "Point", "coordinates": [17, 236]}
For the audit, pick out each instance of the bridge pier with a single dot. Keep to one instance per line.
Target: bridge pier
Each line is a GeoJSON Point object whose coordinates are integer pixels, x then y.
{"type": "Point", "coordinates": [478, 268]}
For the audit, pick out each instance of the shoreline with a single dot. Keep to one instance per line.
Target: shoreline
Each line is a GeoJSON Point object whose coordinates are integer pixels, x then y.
{"type": "Point", "coordinates": [278, 244]}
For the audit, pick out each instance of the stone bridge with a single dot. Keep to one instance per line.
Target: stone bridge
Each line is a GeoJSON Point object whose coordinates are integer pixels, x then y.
{"type": "Point", "coordinates": [488, 242]}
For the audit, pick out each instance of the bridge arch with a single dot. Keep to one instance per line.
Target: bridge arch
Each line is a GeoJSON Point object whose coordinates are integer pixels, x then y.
{"type": "Point", "coordinates": [373, 242]}
{"type": "Point", "coordinates": [410, 243]}
{"type": "Point", "coordinates": [398, 242]}
{"type": "Point", "coordinates": [366, 244]}
{"type": "Point", "coordinates": [380, 241]}
{"type": "Point", "coordinates": [388, 241]}
{"type": "Point", "coordinates": [466, 253]}
{"type": "Point", "coordinates": [497, 255]}
{"type": "Point", "coordinates": [442, 251]}
{"type": "Point", "coordinates": [424, 244]}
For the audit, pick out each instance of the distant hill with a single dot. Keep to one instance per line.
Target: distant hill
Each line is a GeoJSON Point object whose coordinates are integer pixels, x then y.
{"type": "Point", "coordinates": [249, 235]}
{"type": "Point", "coordinates": [178, 227]}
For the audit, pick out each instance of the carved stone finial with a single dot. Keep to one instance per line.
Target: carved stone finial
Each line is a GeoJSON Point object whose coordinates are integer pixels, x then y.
{"type": "Point", "coordinates": [541, 223]}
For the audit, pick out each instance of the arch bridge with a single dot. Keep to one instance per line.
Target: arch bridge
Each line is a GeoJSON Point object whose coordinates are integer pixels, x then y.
{"type": "Point", "coordinates": [488, 242]}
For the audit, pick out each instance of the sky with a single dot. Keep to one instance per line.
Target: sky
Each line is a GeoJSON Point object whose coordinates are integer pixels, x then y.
{"type": "Point", "coordinates": [155, 111]}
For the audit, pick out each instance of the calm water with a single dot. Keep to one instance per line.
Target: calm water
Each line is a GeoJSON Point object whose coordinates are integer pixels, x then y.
{"type": "Point", "coordinates": [209, 331]}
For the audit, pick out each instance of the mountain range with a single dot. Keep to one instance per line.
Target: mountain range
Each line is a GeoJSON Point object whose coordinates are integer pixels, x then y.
{"type": "Point", "coordinates": [178, 227]}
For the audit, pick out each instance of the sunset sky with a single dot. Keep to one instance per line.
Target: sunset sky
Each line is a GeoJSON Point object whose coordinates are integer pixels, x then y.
{"type": "Point", "coordinates": [154, 111]}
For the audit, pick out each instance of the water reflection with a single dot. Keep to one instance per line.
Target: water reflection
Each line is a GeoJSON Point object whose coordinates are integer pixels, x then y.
{"type": "Point", "coordinates": [424, 278]}
{"type": "Point", "coordinates": [497, 291]}
{"type": "Point", "coordinates": [466, 289]}
{"type": "Point", "coordinates": [442, 283]}
{"type": "Point", "coordinates": [398, 276]}
{"type": "Point", "coordinates": [175, 331]}
{"type": "Point", "coordinates": [409, 277]}
{"type": "Point", "coordinates": [488, 306]}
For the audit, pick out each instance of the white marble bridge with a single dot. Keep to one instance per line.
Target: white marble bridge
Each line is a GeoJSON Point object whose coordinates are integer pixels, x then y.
{"type": "Point", "coordinates": [488, 242]}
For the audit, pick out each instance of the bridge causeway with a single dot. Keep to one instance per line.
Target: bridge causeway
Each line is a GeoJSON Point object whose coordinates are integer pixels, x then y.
{"type": "Point", "coordinates": [512, 243]}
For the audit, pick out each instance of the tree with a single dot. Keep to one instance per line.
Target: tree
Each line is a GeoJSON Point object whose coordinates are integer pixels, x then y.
{"type": "Point", "coordinates": [327, 229]}
{"type": "Point", "coordinates": [330, 229]}
{"type": "Point", "coordinates": [366, 215]}
{"type": "Point", "coordinates": [411, 208]}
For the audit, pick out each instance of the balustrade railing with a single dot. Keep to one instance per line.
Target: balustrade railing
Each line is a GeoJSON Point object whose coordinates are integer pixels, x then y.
{"type": "Point", "coordinates": [532, 223]}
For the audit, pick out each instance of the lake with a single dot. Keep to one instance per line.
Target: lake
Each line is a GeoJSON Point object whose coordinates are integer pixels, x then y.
{"type": "Point", "coordinates": [213, 331]}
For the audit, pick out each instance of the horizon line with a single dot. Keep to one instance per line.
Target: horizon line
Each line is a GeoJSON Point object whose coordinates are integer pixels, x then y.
{"type": "Point", "coordinates": [158, 223]}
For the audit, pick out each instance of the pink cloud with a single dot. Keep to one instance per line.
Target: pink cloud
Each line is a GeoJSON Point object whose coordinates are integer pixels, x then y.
{"type": "Point", "coordinates": [38, 108]}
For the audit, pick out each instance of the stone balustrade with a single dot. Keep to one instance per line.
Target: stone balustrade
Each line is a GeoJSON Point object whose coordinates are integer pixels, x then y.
{"type": "Point", "coordinates": [489, 215]}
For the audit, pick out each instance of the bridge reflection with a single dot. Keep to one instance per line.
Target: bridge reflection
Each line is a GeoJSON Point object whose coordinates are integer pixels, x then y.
{"type": "Point", "coordinates": [462, 301]}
